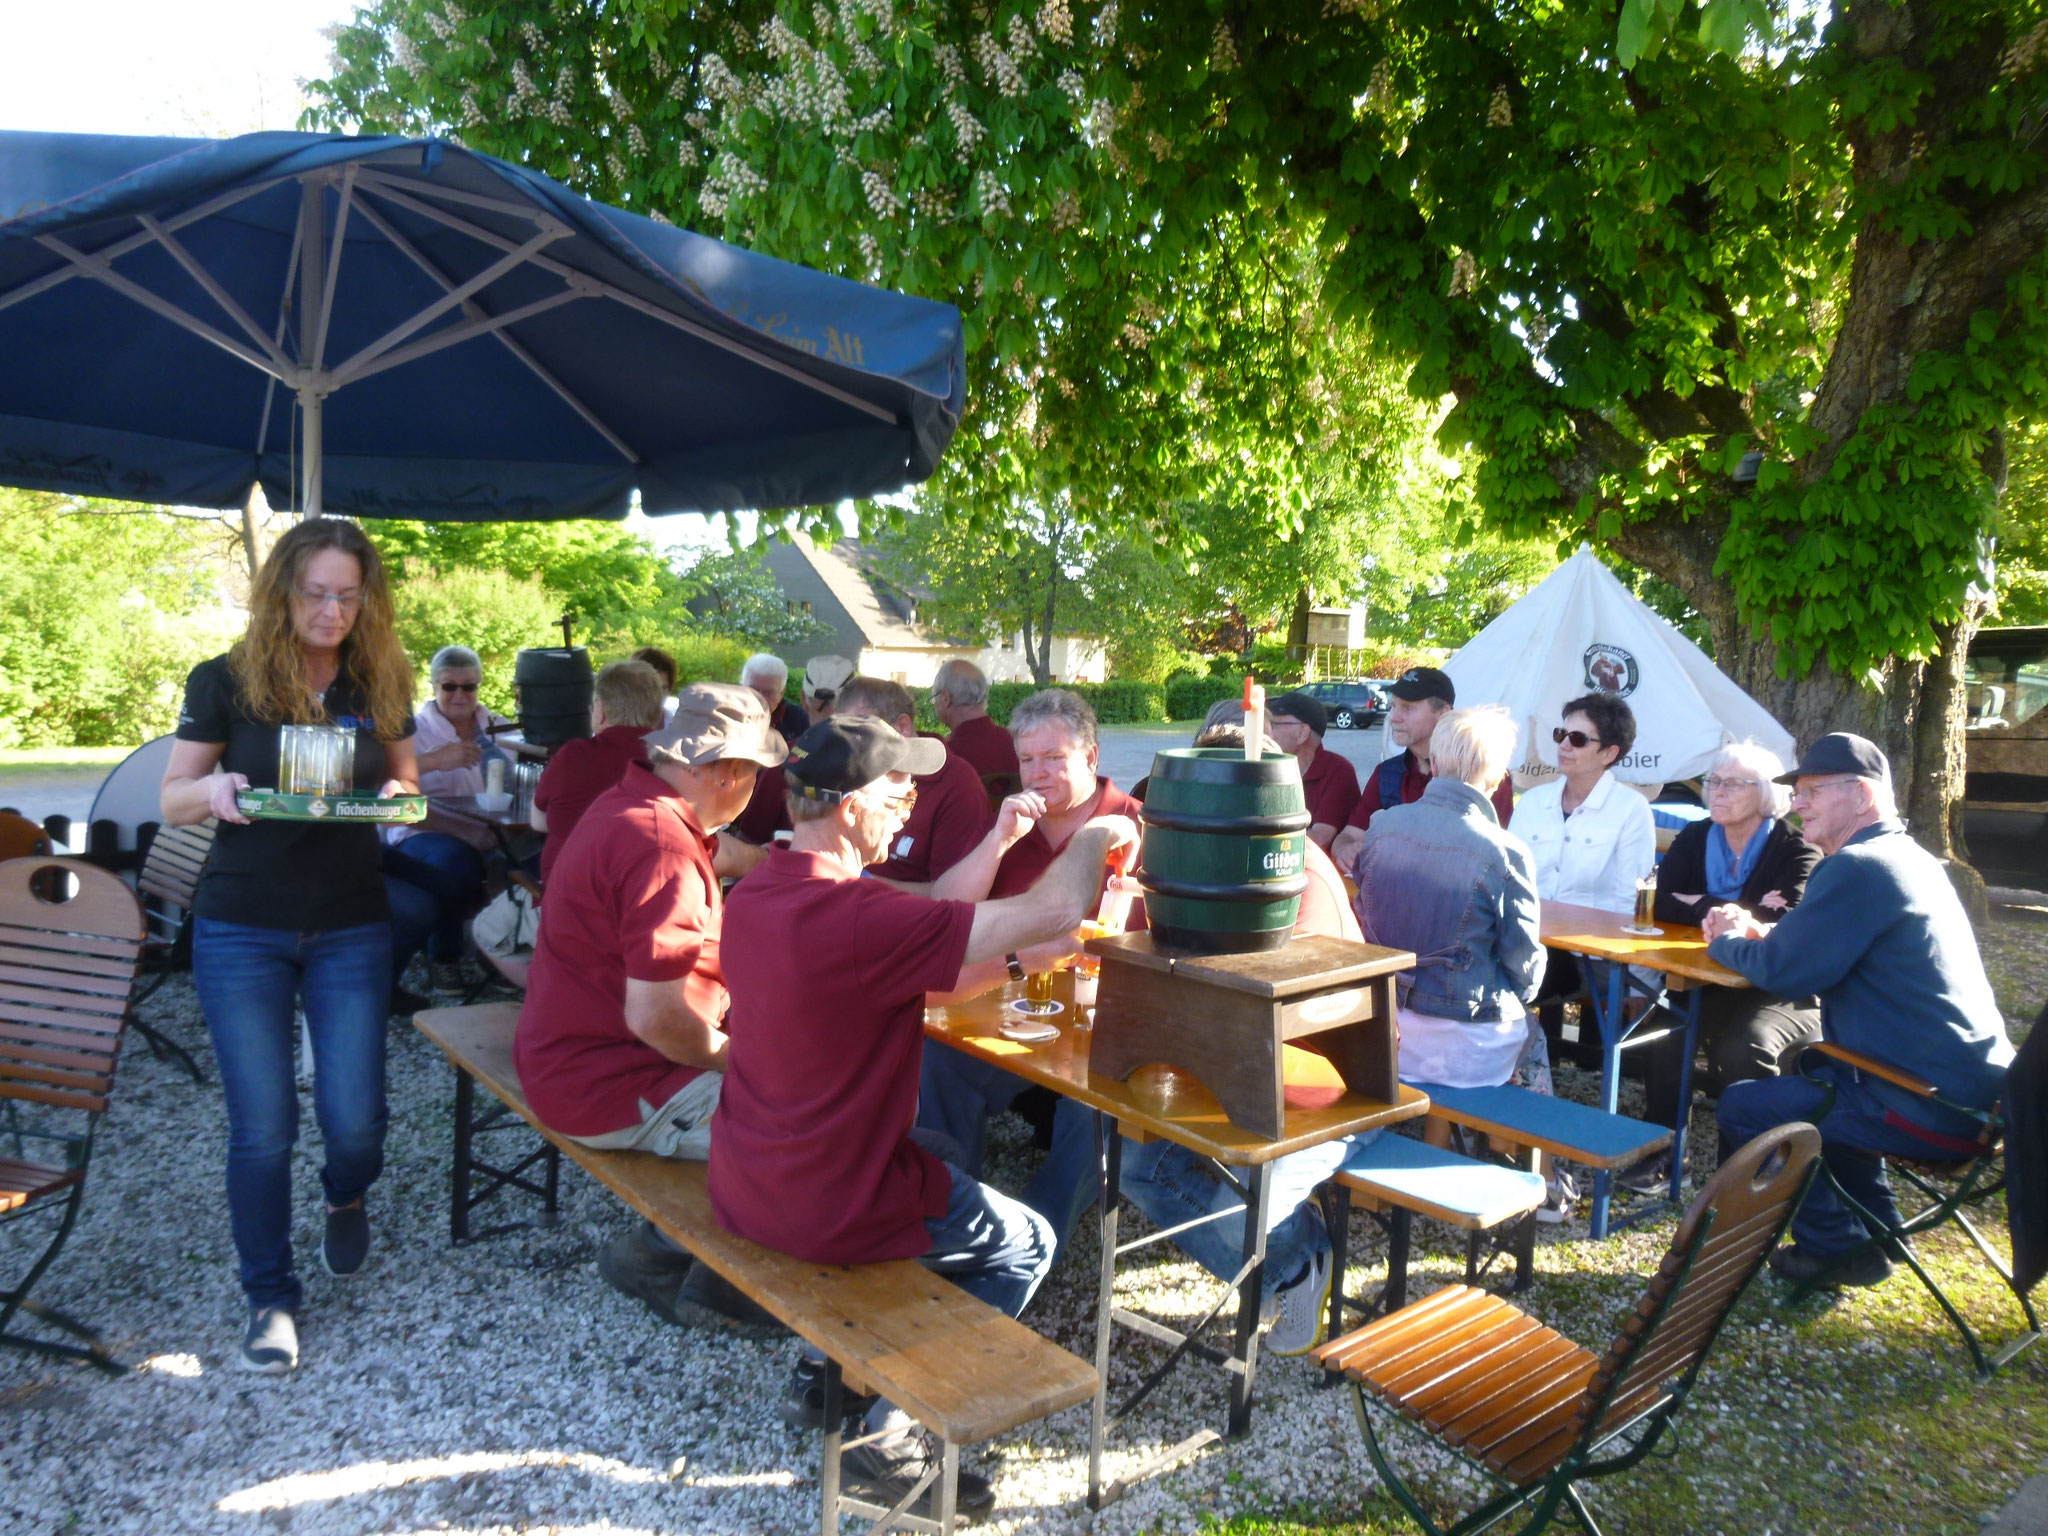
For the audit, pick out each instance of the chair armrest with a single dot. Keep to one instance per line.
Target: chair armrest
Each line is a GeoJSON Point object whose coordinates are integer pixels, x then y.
{"type": "Point", "coordinates": [1876, 1068]}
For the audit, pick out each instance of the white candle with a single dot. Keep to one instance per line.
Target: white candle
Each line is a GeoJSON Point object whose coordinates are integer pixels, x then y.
{"type": "Point", "coordinates": [1254, 721]}
{"type": "Point", "coordinates": [494, 776]}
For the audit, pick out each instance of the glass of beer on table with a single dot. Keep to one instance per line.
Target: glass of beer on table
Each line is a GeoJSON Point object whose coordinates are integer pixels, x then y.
{"type": "Point", "coordinates": [1646, 907]}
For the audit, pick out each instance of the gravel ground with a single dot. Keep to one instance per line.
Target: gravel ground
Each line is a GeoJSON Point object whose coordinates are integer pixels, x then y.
{"type": "Point", "coordinates": [503, 1387]}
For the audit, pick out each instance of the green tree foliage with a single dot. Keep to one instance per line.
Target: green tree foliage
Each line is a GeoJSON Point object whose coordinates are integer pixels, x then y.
{"type": "Point", "coordinates": [494, 613]}
{"type": "Point", "coordinates": [103, 611]}
{"type": "Point", "coordinates": [2023, 533]}
{"type": "Point", "coordinates": [1630, 259]}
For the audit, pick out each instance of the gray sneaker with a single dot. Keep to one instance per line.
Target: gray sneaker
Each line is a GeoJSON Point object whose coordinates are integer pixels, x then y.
{"type": "Point", "coordinates": [639, 1264]}
{"type": "Point", "coordinates": [889, 1468]}
{"type": "Point", "coordinates": [270, 1347]}
{"type": "Point", "coordinates": [1302, 1310]}
{"type": "Point", "coordinates": [1559, 1195]}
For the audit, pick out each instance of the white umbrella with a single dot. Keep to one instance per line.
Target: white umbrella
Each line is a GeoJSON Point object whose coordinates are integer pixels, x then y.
{"type": "Point", "coordinates": [1581, 629]}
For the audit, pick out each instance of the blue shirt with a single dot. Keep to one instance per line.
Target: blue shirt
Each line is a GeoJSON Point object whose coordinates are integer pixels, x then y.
{"type": "Point", "coordinates": [1882, 938]}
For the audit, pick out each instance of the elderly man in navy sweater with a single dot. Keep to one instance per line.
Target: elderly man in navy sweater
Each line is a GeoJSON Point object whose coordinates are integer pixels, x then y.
{"type": "Point", "coordinates": [1884, 941]}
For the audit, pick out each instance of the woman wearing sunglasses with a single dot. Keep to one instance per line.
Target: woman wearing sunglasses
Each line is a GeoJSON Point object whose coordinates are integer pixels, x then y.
{"type": "Point", "coordinates": [1593, 836]}
{"type": "Point", "coordinates": [436, 877]}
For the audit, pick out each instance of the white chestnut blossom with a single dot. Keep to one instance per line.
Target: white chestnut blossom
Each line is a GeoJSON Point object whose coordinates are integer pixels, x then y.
{"type": "Point", "coordinates": [1056, 23]}
{"type": "Point", "coordinates": [1464, 274]}
{"type": "Point", "coordinates": [1104, 29]}
{"type": "Point", "coordinates": [966, 129]}
{"type": "Point", "coordinates": [1223, 57]}
{"type": "Point", "coordinates": [1500, 112]}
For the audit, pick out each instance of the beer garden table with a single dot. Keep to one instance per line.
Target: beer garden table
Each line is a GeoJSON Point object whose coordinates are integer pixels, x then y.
{"type": "Point", "coordinates": [1679, 954]}
{"type": "Point", "coordinates": [1174, 1107]}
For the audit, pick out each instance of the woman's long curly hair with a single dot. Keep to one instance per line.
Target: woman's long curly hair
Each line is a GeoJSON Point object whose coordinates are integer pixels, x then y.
{"type": "Point", "coordinates": [269, 663]}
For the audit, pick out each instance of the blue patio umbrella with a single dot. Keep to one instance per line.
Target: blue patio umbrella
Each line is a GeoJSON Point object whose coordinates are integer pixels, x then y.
{"type": "Point", "coordinates": [388, 327]}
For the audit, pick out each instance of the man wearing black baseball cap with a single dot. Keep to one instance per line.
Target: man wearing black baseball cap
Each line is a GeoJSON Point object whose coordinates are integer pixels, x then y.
{"type": "Point", "coordinates": [812, 1151]}
{"type": "Point", "coordinates": [1421, 696]}
{"type": "Point", "coordinates": [1298, 721]}
{"type": "Point", "coordinates": [1882, 938]}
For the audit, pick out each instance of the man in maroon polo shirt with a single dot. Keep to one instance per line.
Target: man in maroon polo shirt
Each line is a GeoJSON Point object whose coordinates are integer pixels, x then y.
{"type": "Point", "coordinates": [626, 705]}
{"type": "Point", "coordinates": [621, 1041]}
{"type": "Point", "coordinates": [951, 812]}
{"type": "Point", "coordinates": [1421, 696]}
{"type": "Point", "coordinates": [1058, 751]}
{"type": "Point", "coordinates": [960, 700]}
{"type": "Point", "coordinates": [1298, 721]}
{"type": "Point", "coordinates": [812, 1151]}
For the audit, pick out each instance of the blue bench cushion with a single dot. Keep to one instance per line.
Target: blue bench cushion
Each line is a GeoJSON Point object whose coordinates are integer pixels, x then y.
{"type": "Point", "coordinates": [1577, 1131]}
{"type": "Point", "coordinates": [1458, 1189]}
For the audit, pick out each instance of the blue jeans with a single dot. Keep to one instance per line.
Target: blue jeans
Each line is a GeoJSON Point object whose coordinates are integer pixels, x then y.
{"type": "Point", "coordinates": [247, 979]}
{"type": "Point", "coordinates": [1171, 1185]}
{"type": "Point", "coordinates": [1851, 1135]}
{"type": "Point", "coordinates": [446, 880]}
{"type": "Point", "coordinates": [958, 1093]}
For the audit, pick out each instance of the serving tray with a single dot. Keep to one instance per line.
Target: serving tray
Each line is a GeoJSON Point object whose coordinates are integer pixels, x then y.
{"type": "Point", "coordinates": [269, 805]}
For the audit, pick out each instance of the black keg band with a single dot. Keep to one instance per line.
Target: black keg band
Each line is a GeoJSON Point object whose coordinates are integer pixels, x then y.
{"type": "Point", "coordinates": [1250, 890]}
{"type": "Point", "coordinates": [1246, 826]}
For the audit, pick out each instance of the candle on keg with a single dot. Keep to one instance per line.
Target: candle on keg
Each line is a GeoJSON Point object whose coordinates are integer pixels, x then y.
{"type": "Point", "coordinates": [1254, 721]}
{"type": "Point", "coordinates": [494, 776]}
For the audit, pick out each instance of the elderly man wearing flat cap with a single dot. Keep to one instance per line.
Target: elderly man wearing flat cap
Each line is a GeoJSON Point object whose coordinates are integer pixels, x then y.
{"type": "Point", "coordinates": [1298, 722]}
{"type": "Point", "coordinates": [1884, 941]}
{"type": "Point", "coordinates": [621, 1041]}
{"type": "Point", "coordinates": [812, 1150]}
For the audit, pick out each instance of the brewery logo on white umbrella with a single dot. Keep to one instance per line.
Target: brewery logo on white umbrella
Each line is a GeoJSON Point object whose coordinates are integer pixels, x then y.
{"type": "Point", "coordinates": [1611, 669]}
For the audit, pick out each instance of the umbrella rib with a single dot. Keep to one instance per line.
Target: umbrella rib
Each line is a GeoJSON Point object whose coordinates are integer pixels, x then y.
{"type": "Point", "coordinates": [448, 301]}
{"type": "Point", "coordinates": [284, 312]}
{"type": "Point", "coordinates": [214, 290]}
{"type": "Point", "coordinates": [347, 196]}
{"type": "Point", "coordinates": [96, 268]}
{"type": "Point", "coordinates": [469, 329]}
{"type": "Point", "coordinates": [475, 311]}
{"type": "Point", "coordinates": [654, 311]}
{"type": "Point", "coordinates": [123, 246]}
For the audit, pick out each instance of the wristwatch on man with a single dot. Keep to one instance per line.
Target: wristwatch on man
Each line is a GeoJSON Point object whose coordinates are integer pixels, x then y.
{"type": "Point", "coordinates": [1016, 966]}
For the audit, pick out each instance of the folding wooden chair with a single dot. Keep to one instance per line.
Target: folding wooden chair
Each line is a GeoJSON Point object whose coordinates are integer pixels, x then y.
{"type": "Point", "coordinates": [1536, 1412]}
{"type": "Point", "coordinates": [168, 883]}
{"type": "Point", "coordinates": [70, 940]}
{"type": "Point", "coordinates": [1973, 1171]}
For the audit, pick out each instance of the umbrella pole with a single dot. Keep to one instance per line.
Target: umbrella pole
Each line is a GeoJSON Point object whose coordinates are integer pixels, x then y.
{"type": "Point", "coordinates": [312, 283]}
{"type": "Point", "coordinates": [309, 466]}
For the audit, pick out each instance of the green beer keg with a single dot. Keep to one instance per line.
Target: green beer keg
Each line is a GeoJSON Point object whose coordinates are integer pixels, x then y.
{"type": "Point", "coordinates": [1226, 849]}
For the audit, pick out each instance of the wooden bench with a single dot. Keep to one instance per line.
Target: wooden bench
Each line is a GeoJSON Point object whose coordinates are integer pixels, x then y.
{"type": "Point", "coordinates": [1396, 1178]}
{"type": "Point", "coordinates": [955, 1364]}
{"type": "Point", "coordinates": [168, 884]}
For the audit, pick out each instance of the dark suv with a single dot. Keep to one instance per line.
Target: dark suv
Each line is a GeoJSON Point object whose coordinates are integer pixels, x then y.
{"type": "Point", "coordinates": [1354, 705]}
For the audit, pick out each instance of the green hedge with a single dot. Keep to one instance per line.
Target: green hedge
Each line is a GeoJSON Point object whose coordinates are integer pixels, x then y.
{"type": "Point", "coordinates": [1114, 703]}
{"type": "Point", "coordinates": [1188, 697]}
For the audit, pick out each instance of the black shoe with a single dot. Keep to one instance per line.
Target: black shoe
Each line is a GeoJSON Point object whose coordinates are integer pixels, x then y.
{"type": "Point", "coordinates": [270, 1345]}
{"type": "Point", "coordinates": [708, 1300]}
{"type": "Point", "coordinates": [803, 1400]}
{"type": "Point", "coordinates": [889, 1468]}
{"type": "Point", "coordinates": [1652, 1176]}
{"type": "Point", "coordinates": [1799, 1264]}
{"type": "Point", "coordinates": [346, 1245]}
{"type": "Point", "coordinates": [642, 1266]}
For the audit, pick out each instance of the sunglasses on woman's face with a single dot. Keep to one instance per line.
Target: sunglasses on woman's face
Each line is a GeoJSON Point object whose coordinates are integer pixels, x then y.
{"type": "Point", "coordinates": [1578, 739]}
{"type": "Point", "coordinates": [458, 687]}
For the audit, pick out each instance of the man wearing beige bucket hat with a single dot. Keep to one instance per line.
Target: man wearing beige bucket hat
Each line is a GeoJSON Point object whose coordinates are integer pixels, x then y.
{"type": "Point", "coordinates": [621, 1040]}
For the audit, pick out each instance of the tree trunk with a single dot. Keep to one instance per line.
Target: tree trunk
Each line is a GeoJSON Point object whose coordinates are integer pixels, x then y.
{"type": "Point", "coordinates": [1297, 627]}
{"type": "Point", "coordinates": [1916, 716]}
{"type": "Point", "coordinates": [251, 532]}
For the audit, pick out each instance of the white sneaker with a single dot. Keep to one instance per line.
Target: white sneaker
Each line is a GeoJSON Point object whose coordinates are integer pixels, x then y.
{"type": "Point", "coordinates": [1302, 1309]}
{"type": "Point", "coordinates": [1558, 1197]}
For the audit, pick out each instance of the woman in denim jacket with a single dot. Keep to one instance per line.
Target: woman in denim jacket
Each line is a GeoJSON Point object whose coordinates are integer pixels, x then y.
{"type": "Point", "coordinates": [1441, 877]}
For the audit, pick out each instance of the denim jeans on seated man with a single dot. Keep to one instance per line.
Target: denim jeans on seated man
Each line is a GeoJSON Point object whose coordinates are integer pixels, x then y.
{"type": "Point", "coordinates": [1852, 1134]}
{"type": "Point", "coordinates": [1172, 1185]}
{"type": "Point", "coordinates": [248, 980]}
{"type": "Point", "coordinates": [450, 874]}
{"type": "Point", "coordinates": [956, 1095]}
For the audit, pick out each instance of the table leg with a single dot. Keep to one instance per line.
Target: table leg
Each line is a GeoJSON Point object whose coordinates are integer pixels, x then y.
{"type": "Point", "coordinates": [1689, 1015]}
{"type": "Point", "coordinates": [1246, 1347]}
{"type": "Point", "coordinates": [465, 1115]}
{"type": "Point", "coordinates": [1109, 1152]}
{"type": "Point", "coordinates": [1608, 1015]}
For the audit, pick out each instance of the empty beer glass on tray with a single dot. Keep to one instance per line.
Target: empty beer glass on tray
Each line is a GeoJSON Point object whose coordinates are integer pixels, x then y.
{"type": "Point", "coordinates": [316, 760]}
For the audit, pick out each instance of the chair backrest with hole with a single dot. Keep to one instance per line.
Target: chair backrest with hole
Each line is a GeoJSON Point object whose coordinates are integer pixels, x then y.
{"type": "Point", "coordinates": [1727, 1233]}
{"type": "Point", "coordinates": [71, 936]}
{"type": "Point", "coordinates": [20, 838]}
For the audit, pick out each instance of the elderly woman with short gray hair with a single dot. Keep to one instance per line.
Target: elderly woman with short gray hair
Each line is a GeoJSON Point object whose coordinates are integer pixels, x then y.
{"type": "Point", "coordinates": [434, 879]}
{"type": "Point", "coordinates": [1747, 853]}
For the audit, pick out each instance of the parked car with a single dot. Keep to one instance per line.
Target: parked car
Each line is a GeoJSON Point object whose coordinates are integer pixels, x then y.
{"type": "Point", "coordinates": [1354, 704]}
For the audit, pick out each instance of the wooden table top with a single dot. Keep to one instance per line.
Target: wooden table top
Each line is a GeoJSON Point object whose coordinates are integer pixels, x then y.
{"type": "Point", "coordinates": [1677, 951]}
{"type": "Point", "coordinates": [1160, 1101]}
